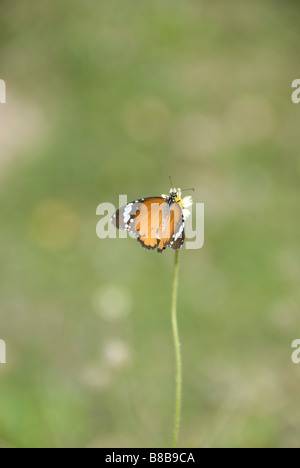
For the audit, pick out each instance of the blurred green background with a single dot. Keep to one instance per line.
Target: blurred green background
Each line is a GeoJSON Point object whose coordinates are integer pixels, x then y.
{"type": "Point", "coordinates": [110, 97]}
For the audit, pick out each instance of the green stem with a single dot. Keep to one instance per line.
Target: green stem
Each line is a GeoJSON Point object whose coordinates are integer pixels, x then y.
{"type": "Point", "coordinates": [177, 353]}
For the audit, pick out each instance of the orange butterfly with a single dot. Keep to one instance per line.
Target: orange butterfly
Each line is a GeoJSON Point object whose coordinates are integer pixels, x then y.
{"type": "Point", "coordinates": [157, 222]}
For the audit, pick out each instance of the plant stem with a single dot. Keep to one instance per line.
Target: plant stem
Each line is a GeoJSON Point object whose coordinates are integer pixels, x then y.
{"type": "Point", "coordinates": [177, 353]}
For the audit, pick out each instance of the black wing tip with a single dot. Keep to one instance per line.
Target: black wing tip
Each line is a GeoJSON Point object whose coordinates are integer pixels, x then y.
{"type": "Point", "coordinates": [148, 247]}
{"type": "Point", "coordinates": [115, 219]}
{"type": "Point", "coordinates": [161, 250]}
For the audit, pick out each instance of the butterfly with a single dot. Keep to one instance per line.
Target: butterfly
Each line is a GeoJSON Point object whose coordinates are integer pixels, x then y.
{"type": "Point", "coordinates": [157, 222]}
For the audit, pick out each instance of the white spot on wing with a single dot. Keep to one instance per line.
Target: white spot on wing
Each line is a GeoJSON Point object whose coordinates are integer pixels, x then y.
{"type": "Point", "coordinates": [127, 212]}
{"type": "Point", "coordinates": [180, 231]}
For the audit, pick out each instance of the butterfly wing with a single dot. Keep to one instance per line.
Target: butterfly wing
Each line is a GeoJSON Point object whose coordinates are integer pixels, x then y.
{"type": "Point", "coordinates": [124, 216]}
{"type": "Point", "coordinates": [149, 221]}
{"type": "Point", "coordinates": [133, 217]}
{"type": "Point", "coordinates": [154, 222]}
{"type": "Point", "coordinates": [172, 231]}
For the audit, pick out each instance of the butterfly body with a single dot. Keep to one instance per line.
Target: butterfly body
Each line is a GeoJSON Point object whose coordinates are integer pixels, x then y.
{"type": "Point", "coordinates": [157, 222]}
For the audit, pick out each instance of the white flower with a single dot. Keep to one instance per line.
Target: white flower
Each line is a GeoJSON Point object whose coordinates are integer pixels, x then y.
{"type": "Point", "coordinates": [187, 201]}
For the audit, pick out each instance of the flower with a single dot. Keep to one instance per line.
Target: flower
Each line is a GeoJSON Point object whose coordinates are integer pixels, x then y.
{"type": "Point", "coordinates": [185, 203]}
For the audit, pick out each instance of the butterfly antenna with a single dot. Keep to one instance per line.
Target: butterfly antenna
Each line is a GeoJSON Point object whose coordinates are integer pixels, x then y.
{"type": "Point", "coordinates": [186, 189]}
{"type": "Point", "coordinates": [171, 181]}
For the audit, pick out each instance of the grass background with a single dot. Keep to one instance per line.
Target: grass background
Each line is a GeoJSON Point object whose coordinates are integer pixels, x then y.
{"type": "Point", "coordinates": [111, 97]}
